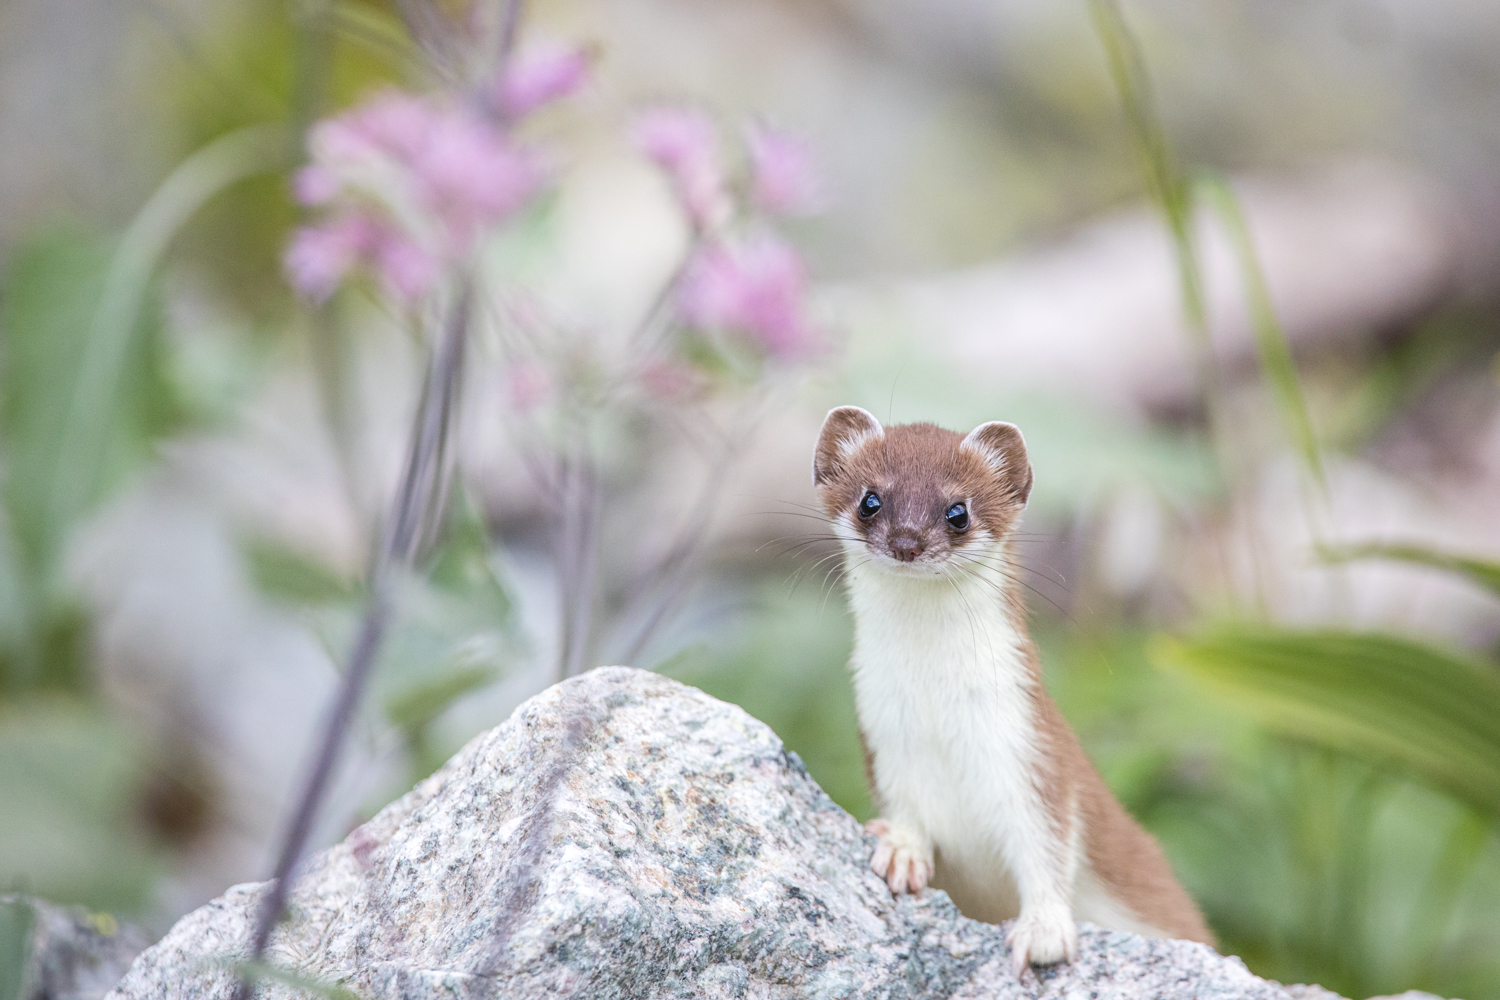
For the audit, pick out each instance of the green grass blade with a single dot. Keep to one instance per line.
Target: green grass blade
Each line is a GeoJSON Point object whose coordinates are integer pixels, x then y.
{"type": "Point", "coordinates": [1270, 339]}
{"type": "Point", "coordinates": [1399, 704]}
{"type": "Point", "coordinates": [1480, 572]}
{"type": "Point", "coordinates": [1163, 179]}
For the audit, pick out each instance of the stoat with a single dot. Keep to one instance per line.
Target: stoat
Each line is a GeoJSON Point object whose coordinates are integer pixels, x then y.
{"type": "Point", "coordinates": [983, 788]}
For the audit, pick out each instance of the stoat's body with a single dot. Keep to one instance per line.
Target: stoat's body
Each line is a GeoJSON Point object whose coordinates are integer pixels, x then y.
{"type": "Point", "coordinates": [983, 787]}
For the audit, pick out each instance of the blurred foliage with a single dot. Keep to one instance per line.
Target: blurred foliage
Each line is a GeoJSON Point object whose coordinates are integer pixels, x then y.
{"type": "Point", "coordinates": [70, 778]}
{"type": "Point", "coordinates": [454, 631]}
{"type": "Point", "coordinates": [16, 919]}
{"type": "Point", "coordinates": [53, 286]}
{"type": "Point", "coordinates": [1411, 708]}
{"type": "Point", "coordinates": [1380, 707]}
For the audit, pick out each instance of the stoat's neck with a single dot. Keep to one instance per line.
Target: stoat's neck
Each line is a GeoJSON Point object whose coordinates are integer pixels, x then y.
{"type": "Point", "coordinates": [960, 621]}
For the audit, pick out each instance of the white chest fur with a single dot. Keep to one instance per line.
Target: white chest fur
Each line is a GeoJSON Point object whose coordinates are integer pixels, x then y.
{"type": "Point", "coordinates": [945, 702]}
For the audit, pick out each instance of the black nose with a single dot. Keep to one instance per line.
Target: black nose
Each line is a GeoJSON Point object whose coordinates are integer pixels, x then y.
{"type": "Point", "coordinates": [906, 547]}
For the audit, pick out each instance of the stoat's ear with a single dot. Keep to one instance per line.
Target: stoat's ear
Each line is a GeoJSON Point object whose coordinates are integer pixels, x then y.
{"type": "Point", "coordinates": [844, 430]}
{"type": "Point", "coordinates": [1004, 449]}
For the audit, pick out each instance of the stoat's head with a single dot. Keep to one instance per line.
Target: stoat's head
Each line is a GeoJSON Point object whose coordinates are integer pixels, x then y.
{"type": "Point", "coordinates": [917, 499]}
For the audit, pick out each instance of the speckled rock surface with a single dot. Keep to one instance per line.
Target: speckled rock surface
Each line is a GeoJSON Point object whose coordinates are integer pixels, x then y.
{"type": "Point", "coordinates": [71, 953]}
{"type": "Point", "coordinates": [625, 836]}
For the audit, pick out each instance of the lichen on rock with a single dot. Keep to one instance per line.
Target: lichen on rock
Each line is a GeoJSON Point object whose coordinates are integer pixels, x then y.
{"type": "Point", "coordinates": [622, 835]}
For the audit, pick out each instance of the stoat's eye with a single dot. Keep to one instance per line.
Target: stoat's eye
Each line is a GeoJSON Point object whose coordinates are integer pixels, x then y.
{"type": "Point", "coordinates": [869, 505]}
{"type": "Point", "coordinates": [958, 517]}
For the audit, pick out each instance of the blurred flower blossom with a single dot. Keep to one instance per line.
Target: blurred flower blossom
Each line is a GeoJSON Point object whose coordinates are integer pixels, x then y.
{"type": "Point", "coordinates": [411, 183]}
{"type": "Point", "coordinates": [684, 143]}
{"type": "Point", "coordinates": [756, 288]}
{"type": "Point", "coordinates": [321, 256]}
{"type": "Point", "coordinates": [527, 385]}
{"type": "Point", "coordinates": [670, 380]}
{"type": "Point", "coordinates": [541, 75]}
{"type": "Point", "coordinates": [783, 180]}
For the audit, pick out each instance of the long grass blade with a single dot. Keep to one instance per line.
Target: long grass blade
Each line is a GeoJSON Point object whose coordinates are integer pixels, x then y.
{"type": "Point", "coordinates": [1481, 572]}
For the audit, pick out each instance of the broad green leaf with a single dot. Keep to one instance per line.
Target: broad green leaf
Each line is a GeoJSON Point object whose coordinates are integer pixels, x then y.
{"type": "Point", "coordinates": [1480, 572]}
{"type": "Point", "coordinates": [1398, 703]}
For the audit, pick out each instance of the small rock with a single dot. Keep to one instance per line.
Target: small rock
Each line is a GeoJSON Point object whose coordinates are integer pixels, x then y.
{"type": "Point", "coordinates": [71, 953]}
{"type": "Point", "coordinates": [625, 836]}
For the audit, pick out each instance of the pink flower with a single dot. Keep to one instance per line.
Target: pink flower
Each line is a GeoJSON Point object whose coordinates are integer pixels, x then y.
{"type": "Point", "coordinates": [783, 178]}
{"type": "Point", "coordinates": [540, 75]}
{"type": "Point", "coordinates": [685, 144]}
{"type": "Point", "coordinates": [316, 185]}
{"type": "Point", "coordinates": [321, 256]}
{"type": "Point", "coordinates": [472, 176]}
{"type": "Point", "coordinates": [411, 184]}
{"type": "Point", "coordinates": [406, 270]}
{"type": "Point", "coordinates": [393, 123]}
{"type": "Point", "coordinates": [755, 288]}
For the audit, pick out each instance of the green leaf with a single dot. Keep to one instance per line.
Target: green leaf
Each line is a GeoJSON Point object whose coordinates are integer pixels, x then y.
{"type": "Point", "coordinates": [1480, 572]}
{"type": "Point", "coordinates": [1400, 704]}
{"type": "Point", "coordinates": [418, 705]}
{"type": "Point", "coordinates": [285, 574]}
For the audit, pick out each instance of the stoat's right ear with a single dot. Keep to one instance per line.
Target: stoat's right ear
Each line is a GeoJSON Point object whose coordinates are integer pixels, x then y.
{"type": "Point", "coordinates": [844, 430]}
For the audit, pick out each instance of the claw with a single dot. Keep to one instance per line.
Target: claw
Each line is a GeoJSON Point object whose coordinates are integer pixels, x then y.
{"type": "Point", "coordinates": [1042, 937]}
{"type": "Point", "coordinates": [902, 857]}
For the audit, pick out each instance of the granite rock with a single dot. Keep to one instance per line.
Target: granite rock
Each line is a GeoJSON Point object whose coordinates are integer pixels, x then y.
{"type": "Point", "coordinates": [625, 836]}
{"type": "Point", "coordinates": [70, 953]}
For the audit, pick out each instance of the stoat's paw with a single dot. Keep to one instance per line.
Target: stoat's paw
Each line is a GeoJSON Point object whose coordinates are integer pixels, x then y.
{"type": "Point", "coordinates": [1043, 937]}
{"type": "Point", "coordinates": [903, 857]}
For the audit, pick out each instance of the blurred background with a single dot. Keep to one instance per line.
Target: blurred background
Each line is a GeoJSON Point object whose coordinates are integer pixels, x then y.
{"type": "Point", "coordinates": [1231, 265]}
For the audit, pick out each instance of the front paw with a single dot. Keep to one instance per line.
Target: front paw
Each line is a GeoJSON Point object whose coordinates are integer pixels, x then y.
{"type": "Point", "coordinates": [903, 857]}
{"type": "Point", "coordinates": [1042, 937]}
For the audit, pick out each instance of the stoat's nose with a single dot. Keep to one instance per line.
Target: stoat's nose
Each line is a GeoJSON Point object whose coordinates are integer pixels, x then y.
{"type": "Point", "coordinates": [906, 547]}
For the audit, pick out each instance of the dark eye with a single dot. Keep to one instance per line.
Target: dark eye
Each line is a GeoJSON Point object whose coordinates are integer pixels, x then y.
{"type": "Point", "coordinates": [958, 517]}
{"type": "Point", "coordinates": [869, 505]}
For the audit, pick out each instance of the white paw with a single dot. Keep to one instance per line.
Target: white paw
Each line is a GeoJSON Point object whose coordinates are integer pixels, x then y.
{"type": "Point", "coordinates": [903, 857]}
{"type": "Point", "coordinates": [1042, 937]}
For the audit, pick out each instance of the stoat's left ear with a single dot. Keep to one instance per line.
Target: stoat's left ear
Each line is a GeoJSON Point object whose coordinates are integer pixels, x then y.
{"type": "Point", "coordinates": [1003, 448]}
{"type": "Point", "coordinates": [844, 430]}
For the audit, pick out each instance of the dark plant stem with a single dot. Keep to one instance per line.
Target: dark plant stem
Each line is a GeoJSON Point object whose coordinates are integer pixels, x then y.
{"type": "Point", "coordinates": [421, 486]}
